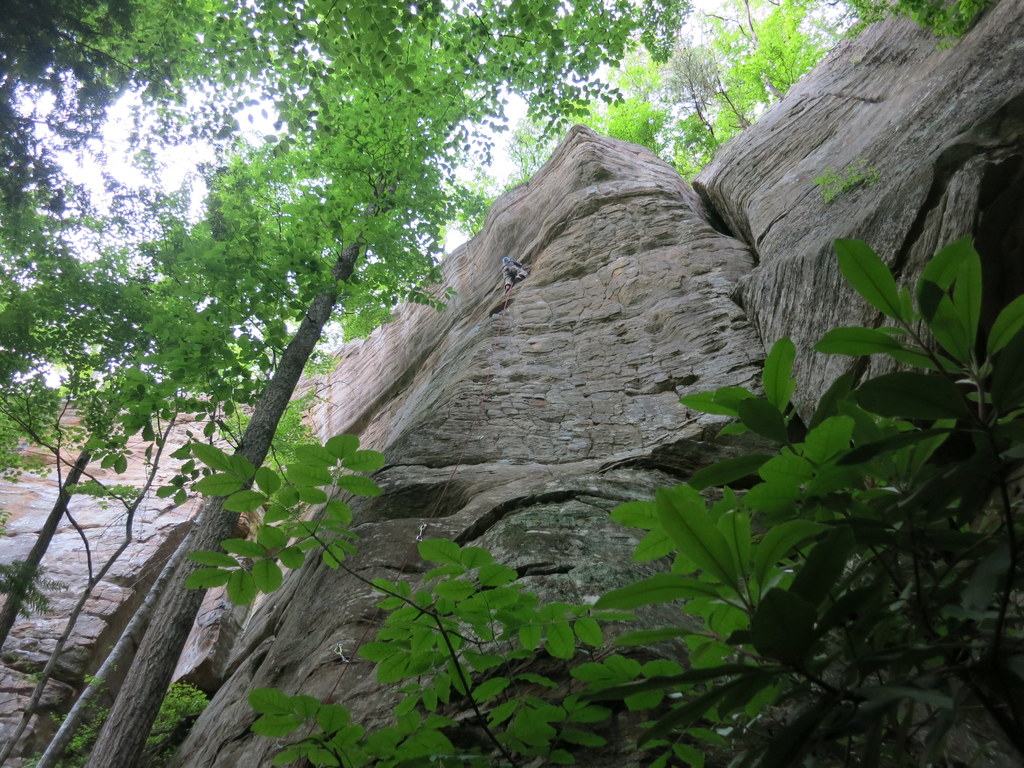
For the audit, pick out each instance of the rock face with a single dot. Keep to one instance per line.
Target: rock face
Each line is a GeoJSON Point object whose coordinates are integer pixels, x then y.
{"type": "Point", "coordinates": [519, 424]}
{"type": "Point", "coordinates": [944, 130]}
{"type": "Point", "coordinates": [519, 427]}
{"type": "Point", "coordinates": [515, 426]}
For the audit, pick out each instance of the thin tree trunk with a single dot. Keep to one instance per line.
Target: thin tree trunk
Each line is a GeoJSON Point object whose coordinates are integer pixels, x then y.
{"type": "Point", "coordinates": [9, 612]}
{"type": "Point", "coordinates": [123, 737]}
{"type": "Point", "coordinates": [121, 654]}
{"type": "Point", "coordinates": [93, 580]}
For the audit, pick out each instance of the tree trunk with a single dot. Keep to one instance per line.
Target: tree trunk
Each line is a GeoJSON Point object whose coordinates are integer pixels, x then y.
{"type": "Point", "coordinates": [30, 566]}
{"type": "Point", "coordinates": [124, 735]}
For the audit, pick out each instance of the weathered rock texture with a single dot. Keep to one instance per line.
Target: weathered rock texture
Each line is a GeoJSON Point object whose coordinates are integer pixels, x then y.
{"type": "Point", "coordinates": [517, 429]}
{"type": "Point", "coordinates": [943, 127]}
{"type": "Point", "coordinates": [521, 429]}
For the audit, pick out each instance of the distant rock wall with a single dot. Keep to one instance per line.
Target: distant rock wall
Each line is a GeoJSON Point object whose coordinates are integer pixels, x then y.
{"type": "Point", "coordinates": [159, 526]}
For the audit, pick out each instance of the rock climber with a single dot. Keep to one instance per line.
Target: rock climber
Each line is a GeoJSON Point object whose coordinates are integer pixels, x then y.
{"type": "Point", "coordinates": [512, 272]}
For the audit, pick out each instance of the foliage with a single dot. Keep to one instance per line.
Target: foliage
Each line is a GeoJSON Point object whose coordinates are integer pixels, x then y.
{"type": "Point", "coordinates": [85, 736]}
{"type": "Point", "coordinates": [855, 592]}
{"type": "Point", "coordinates": [866, 584]}
{"type": "Point", "coordinates": [946, 19]}
{"type": "Point", "coordinates": [454, 643]}
{"type": "Point", "coordinates": [633, 117]}
{"type": "Point", "coordinates": [182, 705]}
{"type": "Point", "coordinates": [27, 586]}
{"type": "Point", "coordinates": [834, 183]}
{"type": "Point", "coordinates": [752, 54]}
{"type": "Point", "coordinates": [248, 567]}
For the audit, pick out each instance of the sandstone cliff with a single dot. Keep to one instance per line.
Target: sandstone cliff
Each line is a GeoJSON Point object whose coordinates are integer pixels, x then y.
{"type": "Point", "coordinates": [515, 427]}
{"type": "Point", "coordinates": [519, 427]}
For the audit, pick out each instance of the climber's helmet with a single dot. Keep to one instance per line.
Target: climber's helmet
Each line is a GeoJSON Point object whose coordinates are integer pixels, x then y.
{"type": "Point", "coordinates": [506, 260]}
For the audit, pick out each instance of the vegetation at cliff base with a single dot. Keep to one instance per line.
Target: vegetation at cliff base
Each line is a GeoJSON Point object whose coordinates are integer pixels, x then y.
{"type": "Point", "coordinates": [149, 330]}
{"type": "Point", "coordinates": [852, 597]}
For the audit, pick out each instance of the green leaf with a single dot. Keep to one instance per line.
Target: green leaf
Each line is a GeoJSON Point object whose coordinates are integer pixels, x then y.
{"type": "Point", "coordinates": [244, 501]}
{"type": "Point", "coordinates": [496, 575]}
{"type": "Point", "coordinates": [217, 559]}
{"type": "Point", "coordinates": [725, 472]}
{"type": "Point", "coordinates": [829, 438]}
{"type": "Point", "coordinates": [589, 632]}
{"type": "Point", "coordinates": [864, 453]}
{"type": "Point", "coordinates": [314, 455]}
{"type": "Point", "coordinates": [364, 461]}
{"type": "Point", "coordinates": [271, 537]}
{"type": "Point", "coordinates": [304, 706]}
{"type": "Point", "coordinates": [779, 542]}
{"type": "Point", "coordinates": [652, 546]}
{"type": "Point", "coordinates": [783, 626]}
{"type": "Point", "coordinates": [869, 276]}
{"type": "Point", "coordinates": [559, 640]}
{"type": "Point", "coordinates": [943, 268]}
{"type": "Point", "coordinates": [910, 395]}
{"type": "Point", "coordinates": [244, 548]}
{"type": "Point", "coordinates": [206, 578]}
{"type": "Point", "coordinates": [765, 419]}
{"type": "Point", "coordinates": [857, 341]}
{"type": "Point", "coordinates": [778, 367]}
{"type": "Point", "coordinates": [268, 480]}
{"type": "Point", "coordinates": [275, 726]}
{"type": "Point", "coordinates": [332, 717]}
{"type": "Point", "coordinates": [723, 401]}
{"type": "Point", "coordinates": [311, 495]}
{"type": "Point", "coordinates": [218, 485]}
{"type": "Point", "coordinates": [490, 688]}
{"type": "Point", "coordinates": [241, 587]}
{"type": "Point", "coordinates": [636, 514]}
{"type": "Point", "coordinates": [683, 515]}
{"type": "Point", "coordinates": [241, 466]}
{"type": "Point", "coordinates": [211, 456]}
{"type": "Point", "coordinates": [839, 391]}
{"type": "Point", "coordinates": [270, 701]}
{"type": "Point", "coordinates": [359, 485]}
{"type": "Point", "coordinates": [529, 636]}
{"type": "Point", "coordinates": [823, 567]}
{"type": "Point", "coordinates": [988, 580]}
{"type": "Point", "coordinates": [440, 551]}
{"type": "Point", "coordinates": [342, 445]}
{"type": "Point", "coordinates": [266, 576]}
{"type": "Point", "coordinates": [338, 512]}
{"type": "Point", "coordinates": [651, 636]}
{"type": "Point", "coordinates": [1007, 325]}
{"type": "Point", "coordinates": [1007, 383]}
{"type": "Point", "coordinates": [735, 527]}
{"type": "Point", "coordinates": [292, 557]}
{"type": "Point", "coordinates": [307, 474]}
{"type": "Point", "coordinates": [745, 686]}
{"type": "Point", "coordinates": [967, 291]}
{"type": "Point", "coordinates": [947, 326]}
